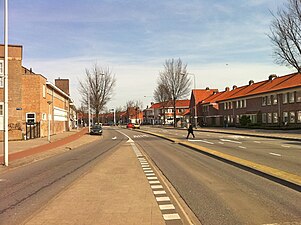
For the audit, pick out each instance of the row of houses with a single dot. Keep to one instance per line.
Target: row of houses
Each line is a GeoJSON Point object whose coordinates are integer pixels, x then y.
{"type": "Point", "coordinates": [35, 105]}
{"type": "Point", "coordinates": [274, 102]}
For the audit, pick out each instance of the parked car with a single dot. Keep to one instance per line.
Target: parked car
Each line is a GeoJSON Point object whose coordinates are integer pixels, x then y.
{"type": "Point", "coordinates": [136, 126]}
{"type": "Point", "coordinates": [130, 125]}
{"type": "Point", "coordinates": [96, 129]}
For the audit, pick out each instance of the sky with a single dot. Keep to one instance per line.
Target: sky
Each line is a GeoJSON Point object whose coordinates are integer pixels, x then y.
{"type": "Point", "coordinates": [223, 42]}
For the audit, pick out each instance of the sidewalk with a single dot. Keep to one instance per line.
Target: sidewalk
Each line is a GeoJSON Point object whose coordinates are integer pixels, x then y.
{"type": "Point", "coordinates": [115, 192]}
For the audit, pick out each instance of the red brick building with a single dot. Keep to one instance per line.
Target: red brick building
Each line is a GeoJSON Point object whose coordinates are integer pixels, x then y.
{"type": "Point", "coordinates": [275, 102]}
{"type": "Point", "coordinates": [33, 100]}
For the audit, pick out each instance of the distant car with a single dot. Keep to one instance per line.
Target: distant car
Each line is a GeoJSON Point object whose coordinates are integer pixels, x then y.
{"type": "Point", "coordinates": [130, 125]}
{"type": "Point", "coordinates": [96, 129]}
{"type": "Point", "coordinates": [136, 126]}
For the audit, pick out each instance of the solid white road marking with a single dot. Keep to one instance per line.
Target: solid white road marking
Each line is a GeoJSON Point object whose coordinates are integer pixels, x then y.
{"type": "Point", "coordinates": [208, 142]}
{"type": "Point", "coordinates": [167, 206]}
{"type": "Point", "coordinates": [275, 154]}
{"type": "Point", "coordinates": [173, 216]}
{"type": "Point", "coordinates": [159, 192]}
{"type": "Point", "coordinates": [226, 140]}
{"type": "Point", "coordinates": [162, 199]}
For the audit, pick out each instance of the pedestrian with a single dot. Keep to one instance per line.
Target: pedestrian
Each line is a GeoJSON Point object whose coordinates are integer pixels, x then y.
{"type": "Point", "coordinates": [190, 131]}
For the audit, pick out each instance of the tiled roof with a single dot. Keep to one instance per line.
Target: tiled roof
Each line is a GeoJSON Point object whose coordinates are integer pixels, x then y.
{"type": "Point", "coordinates": [179, 103]}
{"type": "Point", "coordinates": [201, 94]}
{"type": "Point", "coordinates": [276, 84]}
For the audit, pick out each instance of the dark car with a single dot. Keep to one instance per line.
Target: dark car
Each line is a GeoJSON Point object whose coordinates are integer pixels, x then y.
{"type": "Point", "coordinates": [96, 129]}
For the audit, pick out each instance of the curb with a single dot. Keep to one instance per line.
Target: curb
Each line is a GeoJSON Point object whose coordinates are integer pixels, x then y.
{"type": "Point", "coordinates": [287, 179]}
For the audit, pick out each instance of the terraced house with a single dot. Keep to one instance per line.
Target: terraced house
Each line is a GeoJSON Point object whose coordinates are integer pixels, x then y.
{"type": "Point", "coordinates": [34, 102]}
{"type": "Point", "coordinates": [275, 102]}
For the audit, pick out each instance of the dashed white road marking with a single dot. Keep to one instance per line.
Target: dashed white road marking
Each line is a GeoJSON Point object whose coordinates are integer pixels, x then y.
{"type": "Point", "coordinates": [226, 140]}
{"type": "Point", "coordinates": [275, 154]}
{"type": "Point", "coordinates": [167, 206]}
{"type": "Point", "coordinates": [156, 186]}
{"type": "Point", "coordinates": [150, 174]}
{"type": "Point", "coordinates": [173, 216]}
{"type": "Point", "coordinates": [159, 192]}
{"type": "Point", "coordinates": [208, 142]}
{"type": "Point", "coordinates": [285, 146]}
{"type": "Point", "coordinates": [258, 142]}
{"type": "Point", "coordinates": [148, 171]}
{"type": "Point", "coordinates": [222, 143]}
{"type": "Point", "coordinates": [162, 199]}
{"type": "Point", "coordinates": [114, 138]}
{"type": "Point", "coordinates": [242, 147]}
{"type": "Point", "coordinates": [144, 166]}
{"type": "Point", "coordinates": [154, 182]}
{"type": "Point", "coordinates": [2, 180]}
{"type": "Point", "coordinates": [152, 178]}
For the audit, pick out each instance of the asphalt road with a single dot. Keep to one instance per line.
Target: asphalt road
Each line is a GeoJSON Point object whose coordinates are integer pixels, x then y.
{"type": "Point", "coordinates": [26, 189]}
{"type": "Point", "coordinates": [219, 193]}
{"type": "Point", "coordinates": [279, 154]}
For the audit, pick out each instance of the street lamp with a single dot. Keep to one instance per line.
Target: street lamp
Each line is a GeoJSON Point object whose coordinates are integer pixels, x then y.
{"type": "Point", "coordinates": [49, 103]}
{"type": "Point", "coordinates": [195, 109]}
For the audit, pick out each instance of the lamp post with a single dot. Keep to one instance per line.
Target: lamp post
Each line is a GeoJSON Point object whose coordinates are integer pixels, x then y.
{"type": "Point", "coordinates": [49, 103]}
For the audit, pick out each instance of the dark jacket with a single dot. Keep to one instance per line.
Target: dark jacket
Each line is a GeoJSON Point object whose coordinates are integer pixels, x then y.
{"type": "Point", "coordinates": [190, 129]}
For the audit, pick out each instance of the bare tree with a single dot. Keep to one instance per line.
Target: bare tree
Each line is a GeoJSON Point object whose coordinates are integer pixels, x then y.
{"type": "Point", "coordinates": [175, 79]}
{"type": "Point", "coordinates": [98, 85]}
{"type": "Point", "coordinates": [162, 96]}
{"type": "Point", "coordinates": [285, 35]}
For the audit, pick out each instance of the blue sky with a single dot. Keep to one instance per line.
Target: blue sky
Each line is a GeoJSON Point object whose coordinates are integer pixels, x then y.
{"type": "Point", "coordinates": [223, 42]}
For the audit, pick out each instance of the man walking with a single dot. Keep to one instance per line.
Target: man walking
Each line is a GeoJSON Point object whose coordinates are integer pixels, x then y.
{"type": "Point", "coordinates": [190, 131]}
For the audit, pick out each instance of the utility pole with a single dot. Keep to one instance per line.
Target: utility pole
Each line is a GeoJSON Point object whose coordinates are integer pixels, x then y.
{"type": "Point", "coordinates": [6, 82]}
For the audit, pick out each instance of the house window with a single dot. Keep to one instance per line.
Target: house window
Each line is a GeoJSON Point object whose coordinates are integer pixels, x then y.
{"type": "Point", "coordinates": [275, 117]}
{"type": "Point", "coordinates": [44, 91]}
{"type": "Point", "coordinates": [285, 117]}
{"type": "Point", "coordinates": [298, 96]}
{"type": "Point", "coordinates": [291, 97]}
{"type": "Point", "coordinates": [264, 118]}
{"type": "Point", "coordinates": [275, 101]}
{"type": "Point", "coordinates": [299, 117]}
{"type": "Point", "coordinates": [1, 74]}
{"type": "Point", "coordinates": [237, 118]}
{"type": "Point", "coordinates": [269, 117]}
{"type": "Point", "coordinates": [44, 116]}
{"type": "Point", "coordinates": [284, 96]}
{"type": "Point", "coordinates": [292, 117]}
{"type": "Point", "coordinates": [30, 118]}
{"type": "Point", "coordinates": [269, 100]}
{"type": "Point", "coordinates": [264, 101]}
{"type": "Point", "coordinates": [225, 106]}
{"type": "Point", "coordinates": [1, 109]}
{"type": "Point", "coordinates": [245, 103]}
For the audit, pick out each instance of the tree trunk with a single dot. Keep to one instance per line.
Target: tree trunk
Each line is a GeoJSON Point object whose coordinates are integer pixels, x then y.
{"type": "Point", "coordinates": [174, 113]}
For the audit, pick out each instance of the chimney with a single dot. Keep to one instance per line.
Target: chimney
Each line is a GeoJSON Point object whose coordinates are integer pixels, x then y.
{"type": "Point", "coordinates": [207, 88]}
{"type": "Point", "coordinates": [272, 76]}
{"type": "Point", "coordinates": [251, 82]}
{"type": "Point", "coordinates": [227, 89]}
{"type": "Point", "coordinates": [152, 103]}
{"type": "Point", "coordinates": [234, 87]}
{"type": "Point", "coordinates": [63, 84]}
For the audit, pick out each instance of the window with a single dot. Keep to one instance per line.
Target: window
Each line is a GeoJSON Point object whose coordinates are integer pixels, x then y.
{"type": "Point", "coordinates": [269, 100]}
{"type": "Point", "coordinates": [30, 118]}
{"type": "Point", "coordinates": [264, 118]}
{"type": "Point", "coordinates": [237, 118]}
{"type": "Point", "coordinates": [292, 117]}
{"type": "Point", "coordinates": [264, 101]}
{"type": "Point", "coordinates": [245, 103]}
{"type": "Point", "coordinates": [284, 96]}
{"type": "Point", "coordinates": [298, 96]}
{"type": "Point", "coordinates": [44, 91]}
{"type": "Point", "coordinates": [299, 117]}
{"type": "Point", "coordinates": [269, 117]}
{"type": "Point", "coordinates": [1, 74]}
{"type": "Point", "coordinates": [275, 117]}
{"type": "Point", "coordinates": [285, 117]}
{"type": "Point", "coordinates": [225, 106]}
{"type": "Point", "coordinates": [291, 97]}
{"type": "Point", "coordinates": [241, 103]}
{"type": "Point", "coordinates": [44, 116]}
{"type": "Point", "coordinates": [1, 109]}
{"type": "Point", "coordinates": [274, 99]}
